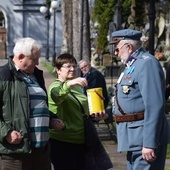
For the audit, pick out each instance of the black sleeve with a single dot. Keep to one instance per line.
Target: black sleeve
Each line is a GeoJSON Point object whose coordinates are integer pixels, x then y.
{"type": "Point", "coordinates": [168, 73]}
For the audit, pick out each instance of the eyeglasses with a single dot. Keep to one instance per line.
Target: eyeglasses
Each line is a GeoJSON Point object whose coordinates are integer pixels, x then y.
{"type": "Point", "coordinates": [81, 68]}
{"type": "Point", "coordinates": [118, 49]}
{"type": "Point", "coordinates": [70, 66]}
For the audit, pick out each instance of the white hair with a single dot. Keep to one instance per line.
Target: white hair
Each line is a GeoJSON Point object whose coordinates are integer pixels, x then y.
{"type": "Point", "coordinates": [132, 42]}
{"type": "Point", "coordinates": [83, 60]}
{"type": "Point", "coordinates": [25, 46]}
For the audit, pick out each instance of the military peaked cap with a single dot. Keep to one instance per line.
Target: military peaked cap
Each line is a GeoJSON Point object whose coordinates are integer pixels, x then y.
{"type": "Point", "coordinates": [125, 34]}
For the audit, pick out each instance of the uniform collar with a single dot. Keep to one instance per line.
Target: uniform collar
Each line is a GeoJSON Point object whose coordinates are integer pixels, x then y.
{"type": "Point", "coordinates": [133, 57]}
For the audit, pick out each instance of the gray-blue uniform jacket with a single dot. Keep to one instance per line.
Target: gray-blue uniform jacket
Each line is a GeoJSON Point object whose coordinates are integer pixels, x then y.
{"type": "Point", "coordinates": [142, 89]}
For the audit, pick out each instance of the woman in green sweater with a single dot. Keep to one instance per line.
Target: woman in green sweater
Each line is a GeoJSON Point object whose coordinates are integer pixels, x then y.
{"type": "Point", "coordinates": [67, 132]}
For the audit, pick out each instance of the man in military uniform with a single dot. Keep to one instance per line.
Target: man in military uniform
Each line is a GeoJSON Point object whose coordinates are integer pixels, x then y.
{"type": "Point", "coordinates": [142, 128]}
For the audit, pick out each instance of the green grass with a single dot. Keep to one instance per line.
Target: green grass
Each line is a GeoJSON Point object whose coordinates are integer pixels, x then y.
{"type": "Point", "coordinates": [168, 156]}
{"type": "Point", "coordinates": [167, 168]}
{"type": "Point", "coordinates": [168, 152]}
{"type": "Point", "coordinates": [49, 67]}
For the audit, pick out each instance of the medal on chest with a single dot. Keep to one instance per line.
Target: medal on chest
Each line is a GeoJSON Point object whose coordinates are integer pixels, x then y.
{"type": "Point", "coordinates": [125, 89]}
{"type": "Point", "coordinates": [127, 76]}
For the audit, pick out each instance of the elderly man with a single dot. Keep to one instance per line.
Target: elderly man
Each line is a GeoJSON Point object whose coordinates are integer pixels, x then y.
{"type": "Point", "coordinates": [24, 115]}
{"type": "Point", "coordinates": [94, 78]}
{"type": "Point", "coordinates": [142, 128]}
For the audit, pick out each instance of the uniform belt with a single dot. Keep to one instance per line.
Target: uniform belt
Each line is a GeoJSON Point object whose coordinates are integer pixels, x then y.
{"type": "Point", "coordinates": [129, 118]}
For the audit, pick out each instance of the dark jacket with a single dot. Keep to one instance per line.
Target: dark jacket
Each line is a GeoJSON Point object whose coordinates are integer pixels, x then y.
{"type": "Point", "coordinates": [14, 107]}
{"type": "Point", "coordinates": [167, 92]}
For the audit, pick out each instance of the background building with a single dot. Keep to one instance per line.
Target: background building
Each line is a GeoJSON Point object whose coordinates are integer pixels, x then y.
{"type": "Point", "coordinates": [22, 18]}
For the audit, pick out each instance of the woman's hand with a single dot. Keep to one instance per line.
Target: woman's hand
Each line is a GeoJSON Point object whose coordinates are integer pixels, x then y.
{"type": "Point", "coordinates": [56, 124]}
{"type": "Point", "coordinates": [101, 115]}
{"type": "Point", "coordinates": [78, 81]}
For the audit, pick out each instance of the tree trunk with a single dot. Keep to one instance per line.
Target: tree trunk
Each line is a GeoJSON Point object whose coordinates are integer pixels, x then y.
{"type": "Point", "coordinates": [86, 32]}
{"type": "Point", "coordinates": [66, 10]}
{"type": "Point", "coordinates": [72, 36]}
{"type": "Point", "coordinates": [76, 28]}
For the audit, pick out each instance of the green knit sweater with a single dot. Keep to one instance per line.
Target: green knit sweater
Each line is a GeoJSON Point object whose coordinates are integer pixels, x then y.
{"type": "Point", "coordinates": [65, 106]}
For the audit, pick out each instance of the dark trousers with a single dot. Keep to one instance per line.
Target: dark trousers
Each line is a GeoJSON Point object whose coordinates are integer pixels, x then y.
{"type": "Point", "coordinates": [136, 162]}
{"type": "Point", "coordinates": [38, 159]}
{"type": "Point", "coordinates": [65, 156]}
{"type": "Point", "coordinates": [167, 93]}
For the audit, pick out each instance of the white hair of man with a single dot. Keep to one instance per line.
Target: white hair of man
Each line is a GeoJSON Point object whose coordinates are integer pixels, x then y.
{"type": "Point", "coordinates": [83, 60]}
{"type": "Point", "coordinates": [25, 46]}
{"type": "Point", "coordinates": [136, 44]}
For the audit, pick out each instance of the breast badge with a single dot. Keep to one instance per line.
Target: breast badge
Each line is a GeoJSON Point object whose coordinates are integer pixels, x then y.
{"type": "Point", "coordinates": [125, 89]}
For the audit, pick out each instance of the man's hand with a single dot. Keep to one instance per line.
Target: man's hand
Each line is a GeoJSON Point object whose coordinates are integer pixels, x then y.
{"type": "Point", "coordinates": [148, 154]}
{"type": "Point", "coordinates": [14, 137]}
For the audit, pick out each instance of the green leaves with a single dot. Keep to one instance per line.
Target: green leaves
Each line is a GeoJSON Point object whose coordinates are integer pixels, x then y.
{"type": "Point", "coordinates": [103, 14]}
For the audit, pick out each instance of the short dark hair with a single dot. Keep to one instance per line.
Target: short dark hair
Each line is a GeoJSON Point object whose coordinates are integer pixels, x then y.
{"type": "Point", "coordinates": [64, 58]}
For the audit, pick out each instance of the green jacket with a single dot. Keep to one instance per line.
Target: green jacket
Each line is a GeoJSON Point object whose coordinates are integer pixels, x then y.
{"type": "Point", "coordinates": [14, 107]}
{"type": "Point", "coordinates": [65, 106]}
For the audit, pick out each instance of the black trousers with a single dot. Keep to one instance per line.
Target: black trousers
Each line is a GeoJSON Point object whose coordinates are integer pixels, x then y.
{"type": "Point", "coordinates": [65, 156]}
{"type": "Point", "coordinates": [38, 159]}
